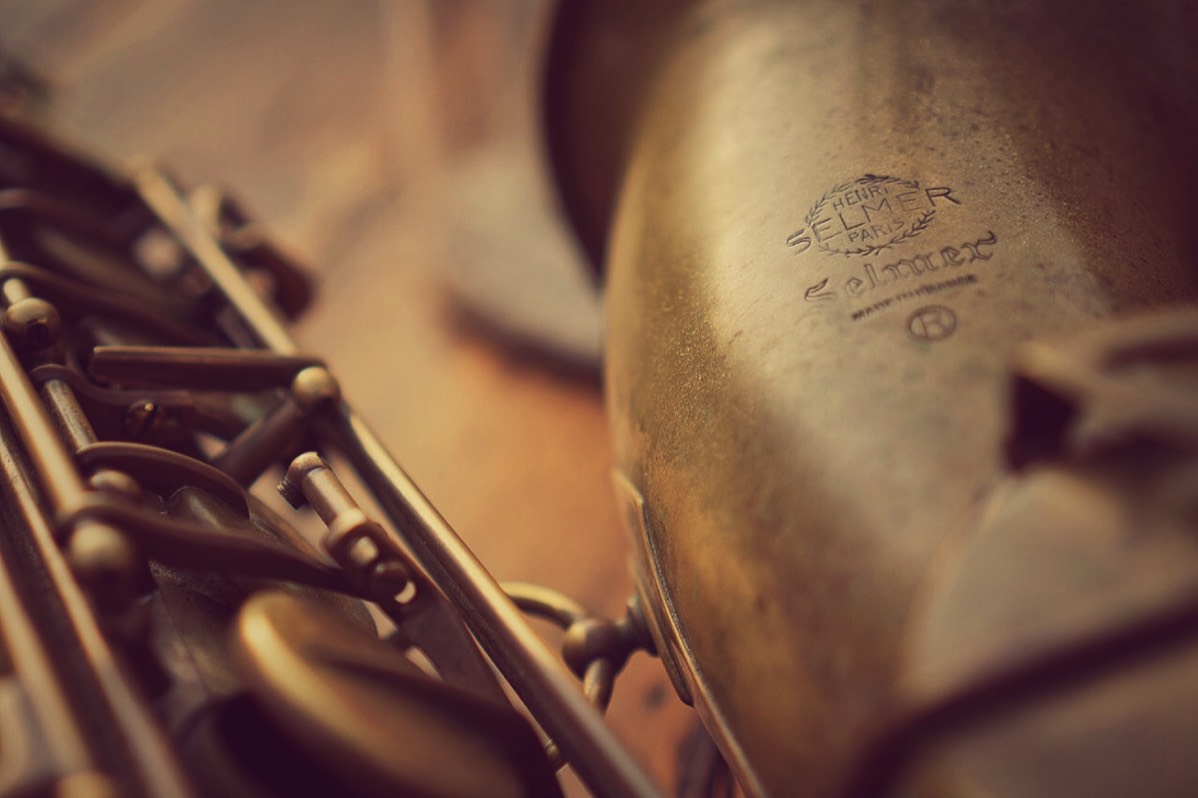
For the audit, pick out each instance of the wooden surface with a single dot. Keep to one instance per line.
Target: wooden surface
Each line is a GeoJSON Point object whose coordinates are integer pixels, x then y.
{"type": "Point", "coordinates": [346, 125]}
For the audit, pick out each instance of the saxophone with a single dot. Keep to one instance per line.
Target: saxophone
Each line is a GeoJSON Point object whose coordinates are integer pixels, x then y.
{"type": "Point", "coordinates": [898, 294]}
{"type": "Point", "coordinates": [899, 366]}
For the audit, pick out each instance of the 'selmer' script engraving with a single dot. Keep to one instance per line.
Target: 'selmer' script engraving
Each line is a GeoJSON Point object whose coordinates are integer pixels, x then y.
{"type": "Point", "coordinates": [869, 215]}
{"type": "Point", "coordinates": [908, 278]}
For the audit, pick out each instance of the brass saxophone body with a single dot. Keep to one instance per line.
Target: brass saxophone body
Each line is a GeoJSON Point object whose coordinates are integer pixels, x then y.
{"type": "Point", "coordinates": [827, 228]}
{"type": "Point", "coordinates": [911, 500]}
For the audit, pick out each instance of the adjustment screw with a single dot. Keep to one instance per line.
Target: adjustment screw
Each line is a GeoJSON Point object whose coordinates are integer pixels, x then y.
{"type": "Point", "coordinates": [33, 324]}
{"type": "Point", "coordinates": [314, 388]}
{"type": "Point", "coordinates": [389, 578]}
{"type": "Point", "coordinates": [141, 418]}
{"type": "Point", "coordinates": [591, 639]}
{"type": "Point", "coordinates": [291, 487]}
{"type": "Point", "coordinates": [106, 562]}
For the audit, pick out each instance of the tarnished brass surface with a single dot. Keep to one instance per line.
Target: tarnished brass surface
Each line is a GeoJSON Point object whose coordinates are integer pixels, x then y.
{"type": "Point", "coordinates": [884, 546]}
{"type": "Point", "coordinates": [835, 222]}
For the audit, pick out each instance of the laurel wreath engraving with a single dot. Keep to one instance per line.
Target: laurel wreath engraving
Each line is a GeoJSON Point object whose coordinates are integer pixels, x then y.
{"type": "Point", "coordinates": [915, 229]}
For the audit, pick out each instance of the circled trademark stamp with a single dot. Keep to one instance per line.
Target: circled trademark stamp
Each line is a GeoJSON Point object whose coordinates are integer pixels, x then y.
{"type": "Point", "coordinates": [932, 323]}
{"type": "Point", "coordinates": [870, 214]}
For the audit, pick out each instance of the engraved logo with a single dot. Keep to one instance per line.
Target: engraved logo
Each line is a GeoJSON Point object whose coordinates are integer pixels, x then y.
{"type": "Point", "coordinates": [932, 323]}
{"type": "Point", "coordinates": [870, 215]}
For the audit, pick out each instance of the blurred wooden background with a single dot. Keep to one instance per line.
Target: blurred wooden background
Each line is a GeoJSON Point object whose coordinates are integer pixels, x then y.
{"type": "Point", "coordinates": [351, 126]}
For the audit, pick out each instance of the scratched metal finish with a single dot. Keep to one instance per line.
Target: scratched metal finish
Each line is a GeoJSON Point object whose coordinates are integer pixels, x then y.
{"type": "Point", "coordinates": [836, 221]}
